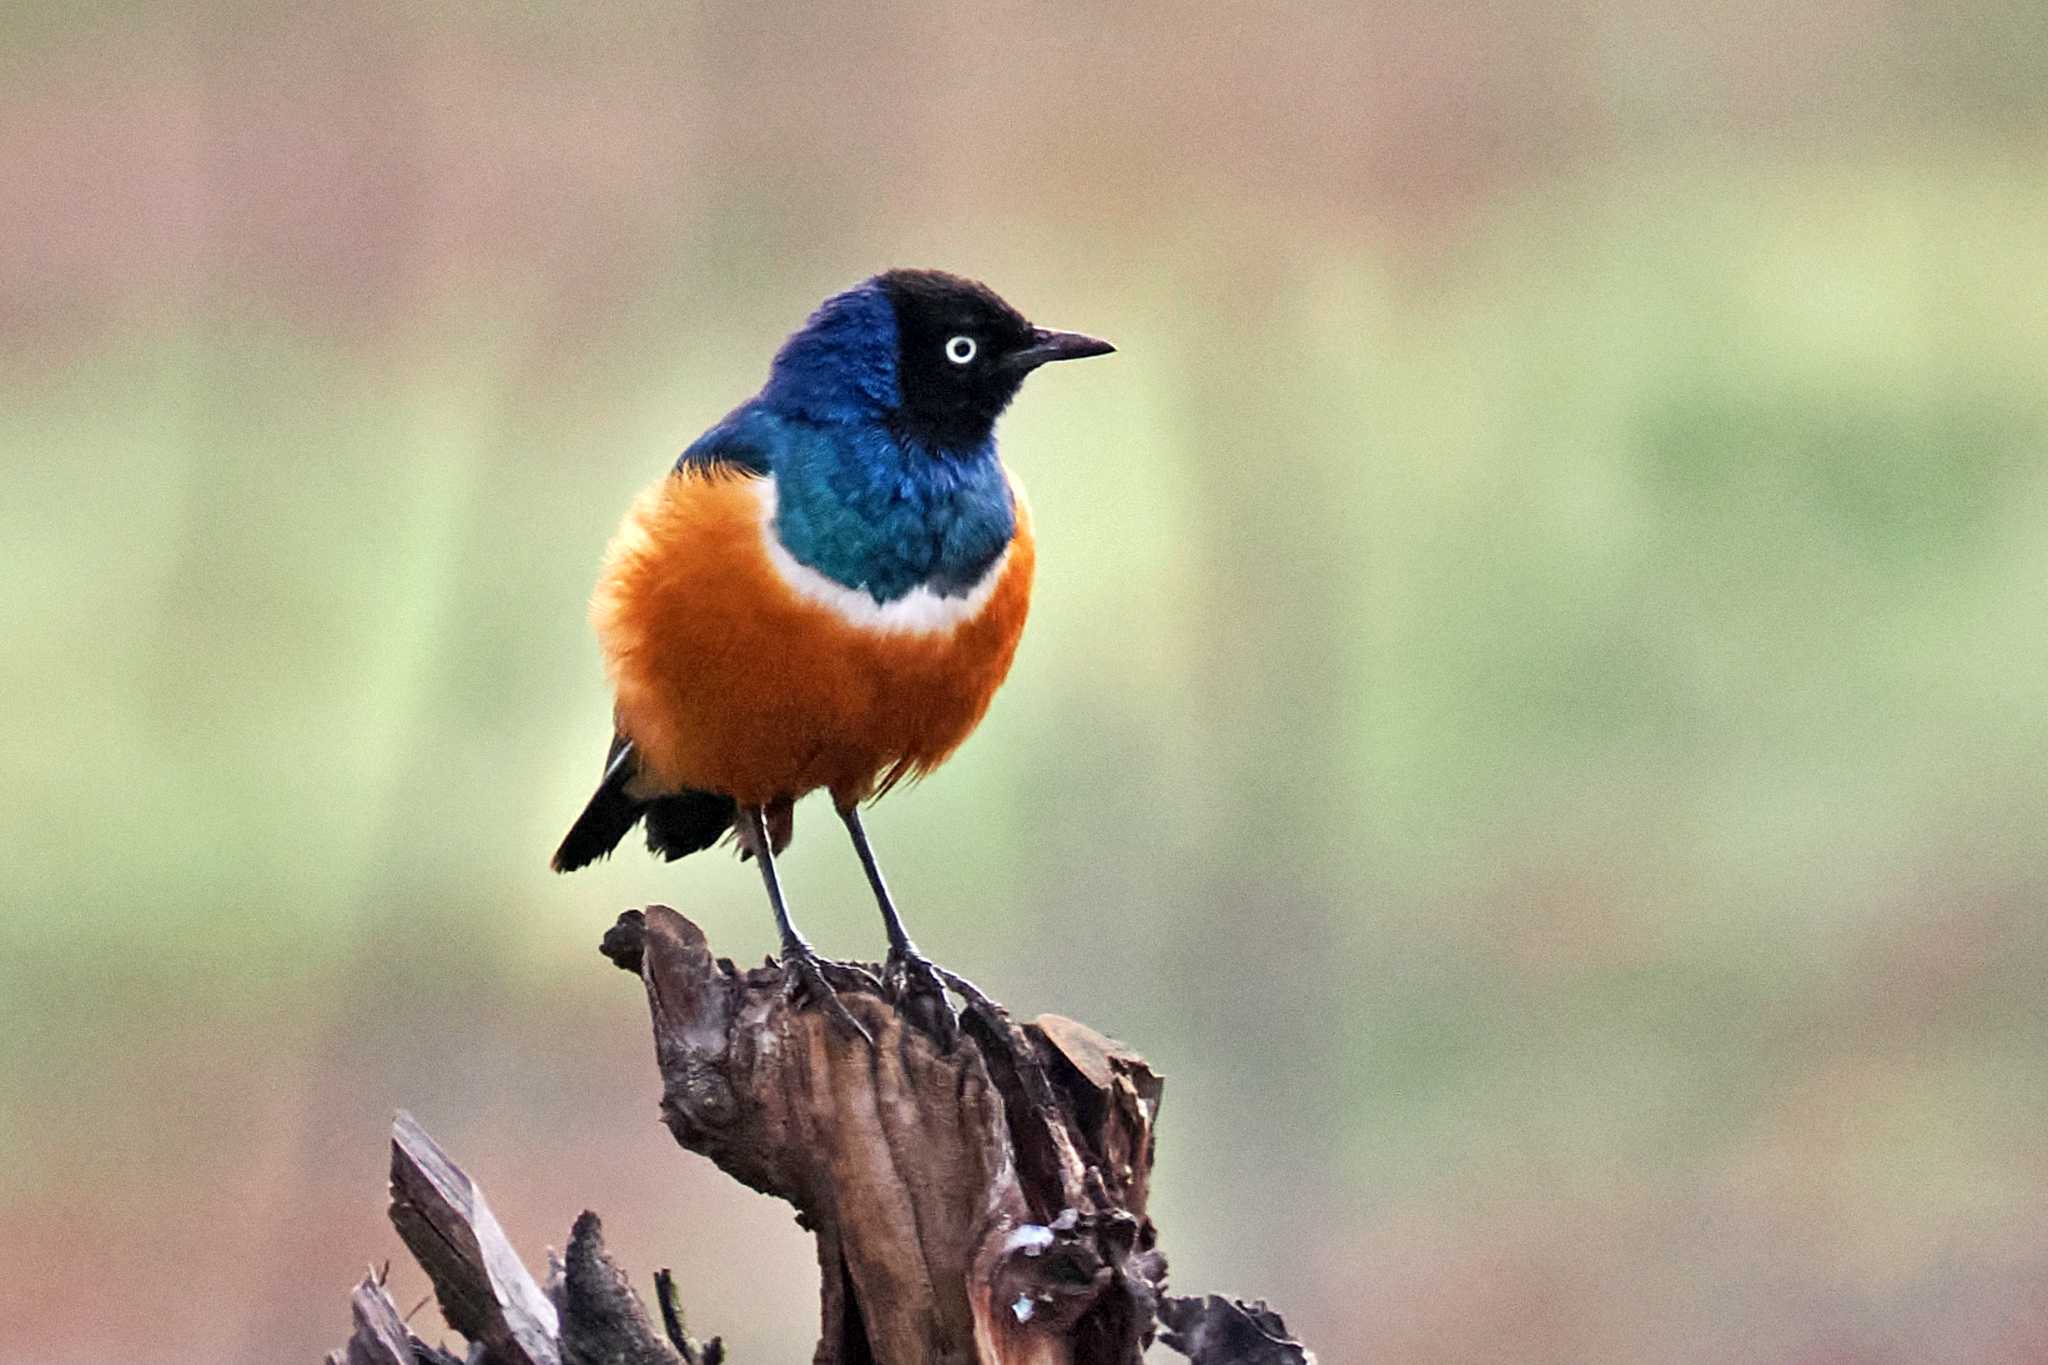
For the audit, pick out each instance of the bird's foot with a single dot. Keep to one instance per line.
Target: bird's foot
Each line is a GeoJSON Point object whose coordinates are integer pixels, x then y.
{"type": "Point", "coordinates": [995, 1020]}
{"type": "Point", "coordinates": [806, 981]}
{"type": "Point", "coordinates": [918, 986]}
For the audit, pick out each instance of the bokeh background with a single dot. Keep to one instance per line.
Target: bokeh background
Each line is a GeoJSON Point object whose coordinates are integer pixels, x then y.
{"type": "Point", "coordinates": [1534, 719]}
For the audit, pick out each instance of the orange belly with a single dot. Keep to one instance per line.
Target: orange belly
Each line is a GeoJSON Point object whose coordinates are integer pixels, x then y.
{"type": "Point", "coordinates": [736, 673]}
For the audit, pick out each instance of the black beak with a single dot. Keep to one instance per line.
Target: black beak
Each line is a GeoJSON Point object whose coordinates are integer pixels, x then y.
{"type": "Point", "coordinates": [1047, 346]}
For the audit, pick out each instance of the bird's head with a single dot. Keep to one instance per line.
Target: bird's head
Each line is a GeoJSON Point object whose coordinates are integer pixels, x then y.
{"type": "Point", "coordinates": [935, 356]}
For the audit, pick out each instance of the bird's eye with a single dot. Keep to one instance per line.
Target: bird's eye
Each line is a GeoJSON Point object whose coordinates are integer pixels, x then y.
{"type": "Point", "coordinates": [960, 350]}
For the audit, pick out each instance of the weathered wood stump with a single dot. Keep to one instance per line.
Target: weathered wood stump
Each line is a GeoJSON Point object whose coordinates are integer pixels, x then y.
{"type": "Point", "coordinates": [978, 1195]}
{"type": "Point", "coordinates": [980, 1203]}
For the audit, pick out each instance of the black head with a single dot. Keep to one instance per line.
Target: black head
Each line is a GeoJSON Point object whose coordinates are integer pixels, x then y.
{"type": "Point", "coordinates": [961, 354]}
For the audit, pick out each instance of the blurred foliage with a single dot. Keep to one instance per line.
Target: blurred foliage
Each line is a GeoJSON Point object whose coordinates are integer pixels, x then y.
{"type": "Point", "coordinates": [1532, 718]}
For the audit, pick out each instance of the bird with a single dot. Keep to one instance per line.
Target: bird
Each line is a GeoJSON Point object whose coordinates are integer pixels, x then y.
{"type": "Point", "coordinates": [823, 593]}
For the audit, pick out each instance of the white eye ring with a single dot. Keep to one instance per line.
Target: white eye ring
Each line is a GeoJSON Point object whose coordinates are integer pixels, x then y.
{"type": "Point", "coordinates": [960, 350]}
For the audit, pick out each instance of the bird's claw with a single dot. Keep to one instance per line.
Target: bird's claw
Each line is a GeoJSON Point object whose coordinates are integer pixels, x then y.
{"type": "Point", "coordinates": [918, 986]}
{"type": "Point", "coordinates": [805, 983]}
{"type": "Point", "coordinates": [993, 1017]}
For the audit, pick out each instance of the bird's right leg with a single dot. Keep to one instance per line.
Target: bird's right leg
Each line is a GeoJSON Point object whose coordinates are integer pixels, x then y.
{"type": "Point", "coordinates": [909, 976]}
{"type": "Point", "coordinates": [803, 968]}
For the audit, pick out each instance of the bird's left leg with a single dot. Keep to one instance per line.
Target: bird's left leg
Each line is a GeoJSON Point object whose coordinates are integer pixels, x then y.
{"type": "Point", "coordinates": [804, 969]}
{"type": "Point", "coordinates": [916, 982]}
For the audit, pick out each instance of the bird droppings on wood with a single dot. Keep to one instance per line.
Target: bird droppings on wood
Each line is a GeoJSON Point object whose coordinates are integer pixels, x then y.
{"type": "Point", "coordinates": [1030, 1238]}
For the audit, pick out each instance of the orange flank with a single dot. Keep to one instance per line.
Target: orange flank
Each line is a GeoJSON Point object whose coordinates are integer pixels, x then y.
{"type": "Point", "coordinates": [734, 676]}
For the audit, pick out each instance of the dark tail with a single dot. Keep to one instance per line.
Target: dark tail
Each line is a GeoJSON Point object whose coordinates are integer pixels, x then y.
{"type": "Point", "coordinates": [676, 825]}
{"type": "Point", "coordinates": [687, 823]}
{"type": "Point", "coordinates": [609, 814]}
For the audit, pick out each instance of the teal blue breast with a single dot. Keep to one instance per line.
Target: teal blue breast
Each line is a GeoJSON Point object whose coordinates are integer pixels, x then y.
{"type": "Point", "coordinates": [878, 515]}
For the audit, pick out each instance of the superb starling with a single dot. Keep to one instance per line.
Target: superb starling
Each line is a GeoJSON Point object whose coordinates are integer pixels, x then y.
{"type": "Point", "coordinates": [825, 591]}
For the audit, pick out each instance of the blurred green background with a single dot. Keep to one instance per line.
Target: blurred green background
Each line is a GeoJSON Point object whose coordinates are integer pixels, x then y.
{"type": "Point", "coordinates": [1534, 717]}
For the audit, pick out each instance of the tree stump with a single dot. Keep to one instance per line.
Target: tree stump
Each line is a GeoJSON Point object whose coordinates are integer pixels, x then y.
{"type": "Point", "coordinates": [978, 1194]}
{"type": "Point", "coordinates": [979, 1203]}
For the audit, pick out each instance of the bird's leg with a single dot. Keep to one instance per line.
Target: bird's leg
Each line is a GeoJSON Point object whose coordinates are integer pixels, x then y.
{"type": "Point", "coordinates": [917, 983]}
{"type": "Point", "coordinates": [900, 945]}
{"type": "Point", "coordinates": [800, 962]}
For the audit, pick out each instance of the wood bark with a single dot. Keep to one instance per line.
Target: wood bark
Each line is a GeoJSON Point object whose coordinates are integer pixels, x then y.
{"type": "Point", "coordinates": [977, 1190]}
